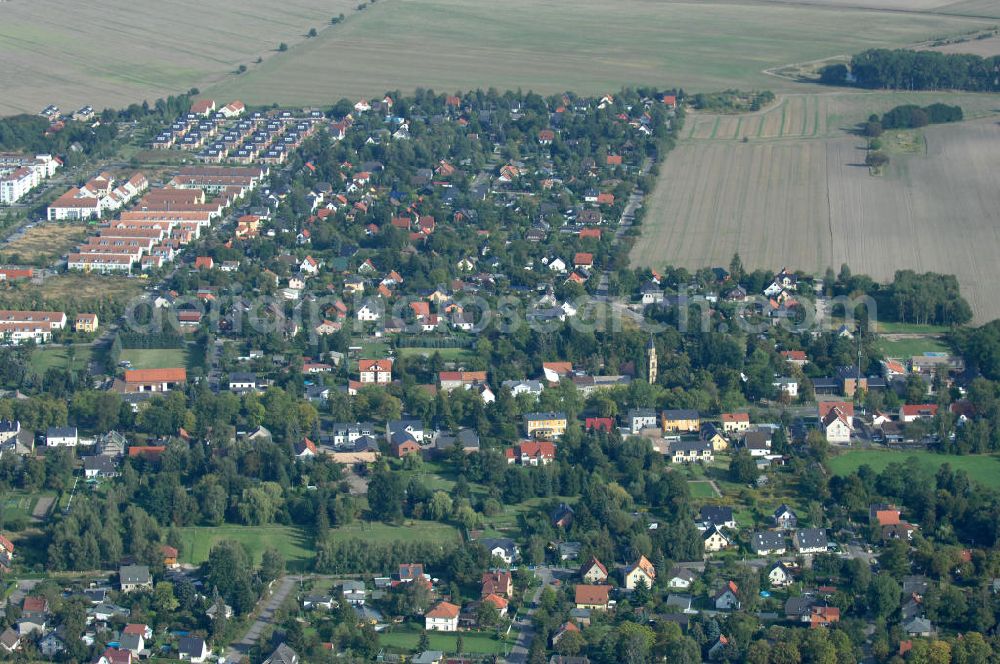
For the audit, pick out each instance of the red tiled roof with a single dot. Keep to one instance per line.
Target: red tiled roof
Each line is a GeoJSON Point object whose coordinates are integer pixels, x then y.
{"type": "Point", "coordinates": [445, 610]}
{"type": "Point", "coordinates": [592, 595]}
{"type": "Point", "coordinates": [156, 376]}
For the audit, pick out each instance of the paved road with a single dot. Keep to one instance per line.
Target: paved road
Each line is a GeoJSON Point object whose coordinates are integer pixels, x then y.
{"type": "Point", "coordinates": [240, 649]}
{"type": "Point", "coordinates": [523, 623]}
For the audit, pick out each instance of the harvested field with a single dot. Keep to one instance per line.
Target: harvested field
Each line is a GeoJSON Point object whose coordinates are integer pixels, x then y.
{"type": "Point", "coordinates": [985, 48]}
{"type": "Point", "coordinates": [810, 203]}
{"type": "Point", "coordinates": [122, 51]}
{"type": "Point", "coordinates": [823, 115]}
{"type": "Point", "coordinates": [44, 243]}
{"type": "Point", "coordinates": [587, 47]}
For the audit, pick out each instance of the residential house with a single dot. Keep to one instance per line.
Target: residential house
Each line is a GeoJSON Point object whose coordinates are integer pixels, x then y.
{"type": "Point", "coordinates": [785, 518]}
{"type": "Point", "coordinates": [497, 583]}
{"type": "Point", "coordinates": [691, 451]}
{"type": "Point", "coordinates": [714, 540]}
{"type": "Point", "coordinates": [498, 602]}
{"type": "Point", "coordinates": [713, 515]}
{"type": "Point", "coordinates": [376, 372]}
{"type": "Point", "coordinates": [595, 598]}
{"type": "Point", "coordinates": [787, 387]}
{"type": "Point", "coordinates": [409, 572]}
{"type": "Point", "coordinates": [282, 655]}
{"type": "Point", "coordinates": [442, 617]}
{"type": "Point", "coordinates": [154, 380]}
{"type": "Point", "coordinates": [758, 443]}
{"type": "Point", "coordinates": [821, 616]}
{"type": "Point", "coordinates": [680, 421]}
{"type": "Point", "coordinates": [810, 540]}
{"type": "Point", "coordinates": [134, 577]}
{"type": "Point", "coordinates": [594, 572]}
{"type": "Point", "coordinates": [192, 649]}
{"type": "Point", "coordinates": [99, 466]}
{"type": "Point", "coordinates": [503, 548]}
{"type": "Point", "coordinates": [768, 543]}
{"type": "Point", "coordinates": [680, 578]}
{"type": "Point", "coordinates": [531, 453]}
{"type": "Point", "coordinates": [518, 387]}
{"type": "Point", "coordinates": [354, 592]}
{"type": "Point", "coordinates": [677, 603]}
{"type": "Point", "coordinates": [780, 575]}
{"type": "Point", "coordinates": [836, 421]}
{"type": "Point", "coordinates": [710, 434]}
{"type": "Point", "coordinates": [642, 571]}
{"type": "Point", "coordinates": [728, 598]}
{"type": "Point", "coordinates": [545, 425]}
{"type": "Point", "coordinates": [641, 418]}
{"type": "Point", "coordinates": [86, 323]}
{"type": "Point", "coordinates": [795, 357]}
{"type": "Point", "coordinates": [913, 412]}
{"type": "Point", "coordinates": [62, 437]}
{"type": "Point", "coordinates": [735, 422]}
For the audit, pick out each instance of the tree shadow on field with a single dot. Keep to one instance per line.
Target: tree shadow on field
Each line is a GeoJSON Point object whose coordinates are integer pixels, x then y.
{"type": "Point", "coordinates": [864, 151]}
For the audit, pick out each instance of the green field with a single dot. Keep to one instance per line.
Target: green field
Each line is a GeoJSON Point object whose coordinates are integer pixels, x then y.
{"type": "Point", "coordinates": [294, 543]}
{"type": "Point", "coordinates": [157, 358]}
{"type": "Point", "coordinates": [447, 354]}
{"type": "Point", "coordinates": [474, 643]}
{"type": "Point", "coordinates": [890, 327]}
{"type": "Point", "coordinates": [382, 533]}
{"type": "Point", "coordinates": [701, 489]}
{"type": "Point", "coordinates": [904, 348]}
{"type": "Point", "coordinates": [47, 357]}
{"type": "Point", "coordinates": [588, 47]}
{"type": "Point", "coordinates": [984, 469]}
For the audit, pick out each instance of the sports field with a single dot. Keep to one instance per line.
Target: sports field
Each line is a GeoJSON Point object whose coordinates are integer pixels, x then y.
{"type": "Point", "coordinates": [984, 469]}
{"type": "Point", "coordinates": [796, 193]}
{"type": "Point", "coordinates": [156, 358]}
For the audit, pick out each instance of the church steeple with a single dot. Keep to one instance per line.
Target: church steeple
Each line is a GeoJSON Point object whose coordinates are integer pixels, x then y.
{"type": "Point", "coordinates": [651, 367]}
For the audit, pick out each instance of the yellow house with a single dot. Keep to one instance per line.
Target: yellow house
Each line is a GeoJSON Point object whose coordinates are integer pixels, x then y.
{"type": "Point", "coordinates": [641, 572]}
{"type": "Point", "coordinates": [711, 435]}
{"type": "Point", "coordinates": [680, 421]}
{"type": "Point", "coordinates": [715, 540]}
{"type": "Point", "coordinates": [86, 323]}
{"type": "Point", "coordinates": [545, 425]}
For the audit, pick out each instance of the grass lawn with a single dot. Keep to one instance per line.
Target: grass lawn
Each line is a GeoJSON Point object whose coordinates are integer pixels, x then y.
{"type": "Point", "coordinates": [910, 347]}
{"type": "Point", "coordinates": [474, 643]}
{"type": "Point", "coordinates": [381, 533]}
{"type": "Point", "coordinates": [448, 354]}
{"type": "Point", "coordinates": [46, 357]}
{"type": "Point", "coordinates": [889, 327]}
{"type": "Point", "coordinates": [700, 489]}
{"type": "Point", "coordinates": [157, 358]}
{"type": "Point", "coordinates": [984, 469]}
{"type": "Point", "coordinates": [294, 543]}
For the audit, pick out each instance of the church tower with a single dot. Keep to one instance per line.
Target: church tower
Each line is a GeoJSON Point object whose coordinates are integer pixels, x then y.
{"type": "Point", "coordinates": [651, 361]}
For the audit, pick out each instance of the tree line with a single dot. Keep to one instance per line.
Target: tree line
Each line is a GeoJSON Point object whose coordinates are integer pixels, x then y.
{"type": "Point", "coordinates": [904, 69]}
